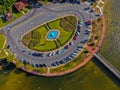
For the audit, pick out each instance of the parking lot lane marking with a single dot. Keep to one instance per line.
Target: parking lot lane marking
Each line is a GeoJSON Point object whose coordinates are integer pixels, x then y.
{"type": "Point", "coordinates": [27, 20]}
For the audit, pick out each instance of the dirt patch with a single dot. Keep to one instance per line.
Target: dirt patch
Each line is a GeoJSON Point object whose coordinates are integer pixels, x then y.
{"type": "Point", "coordinates": [69, 23]}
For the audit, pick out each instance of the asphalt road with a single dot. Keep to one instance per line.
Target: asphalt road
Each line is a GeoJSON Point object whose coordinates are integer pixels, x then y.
{"type": "Point", "coordinates": [15, 31]}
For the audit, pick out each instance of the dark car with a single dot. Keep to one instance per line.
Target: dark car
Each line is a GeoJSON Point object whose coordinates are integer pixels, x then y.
{"type": "Point", "coordinates": [97, 15]}
{"type": "Point", "coordinates": [74, 38]}
{"type": "Point", "coordinates": [44, 65]}
{"type": "Point", "coordinates": [23, 50]}
{"type": "Point", "coordinates": [36, 5]}
{"type": "Point", "coordinates": [61, 61]}
{"type": "Point", "coordinates": [41, 54]}
{"type": "Point", "coordinates": [91, 11]}
{"type": "Point", "coordinates": [87, 8]}
{"type": "Point", "coordinates": [66, 47]}
{"type": "Point", "coordinates": [8, 46]}
{"type": "Point", "coordinates": [71, 43]}
{"type": "Point", "coordinates": [53, 64]}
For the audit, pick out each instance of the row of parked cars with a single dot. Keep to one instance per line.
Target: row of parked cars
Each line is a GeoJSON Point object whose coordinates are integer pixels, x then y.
{"type": "Point", "coordinates": [78, 29]}
{"type": "Point", "coordinates": [91, 11]}
{"type": "Point", "coordinates": [63, 61]}
{"type": "Point", "coordinates": [56, 63]}
{"type": "Point", "coordinates": [39, 65]}
{"type": "Point", "coordinates": [68, 58]}
{"type": "Point", "coordinates": [34, 54]}
{"type": "Point", "coordinates": [37, 54]}
{"type": "Point", "coordinates": [60, 51]}
{"type": "Point", "coordinates": [34, 65]}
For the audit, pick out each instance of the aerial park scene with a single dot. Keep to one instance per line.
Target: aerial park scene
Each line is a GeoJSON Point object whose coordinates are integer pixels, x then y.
{"type": "Point", "coordinates": [53, 38]}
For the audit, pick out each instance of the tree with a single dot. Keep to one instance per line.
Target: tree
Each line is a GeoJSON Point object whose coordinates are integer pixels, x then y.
{"type": "Point", "coordinates": [6, 5]}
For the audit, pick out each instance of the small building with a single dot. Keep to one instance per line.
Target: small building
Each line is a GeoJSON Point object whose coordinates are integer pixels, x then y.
{"type": "Point", "coordinates": [21, 4]}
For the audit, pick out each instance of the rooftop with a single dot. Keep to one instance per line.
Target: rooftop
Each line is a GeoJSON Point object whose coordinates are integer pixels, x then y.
{"type": "Point", "coordinates": [20, 5]}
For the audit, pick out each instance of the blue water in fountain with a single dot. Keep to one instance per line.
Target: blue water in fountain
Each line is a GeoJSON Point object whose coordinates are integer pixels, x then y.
{"type": "Point", "coordinates": [52, 34]}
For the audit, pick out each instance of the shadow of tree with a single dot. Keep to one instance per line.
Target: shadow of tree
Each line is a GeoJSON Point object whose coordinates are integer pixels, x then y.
{"type": "Point", "coordinates": [18, 71]}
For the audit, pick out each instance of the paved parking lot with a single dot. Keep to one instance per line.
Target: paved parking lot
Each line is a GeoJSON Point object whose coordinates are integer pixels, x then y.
{"type": "Point", "coordinates": [15, 31]}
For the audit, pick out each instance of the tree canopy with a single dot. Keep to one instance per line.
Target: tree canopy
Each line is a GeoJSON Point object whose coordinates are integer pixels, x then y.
{"type": "Point", "coordinates": [6, 5]}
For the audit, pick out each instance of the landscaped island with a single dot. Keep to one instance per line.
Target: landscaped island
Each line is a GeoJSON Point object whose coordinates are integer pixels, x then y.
{"type": "Point", "coordinates": [38, 39]}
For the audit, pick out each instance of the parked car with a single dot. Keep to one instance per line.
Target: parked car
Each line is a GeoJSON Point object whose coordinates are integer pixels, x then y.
{"type": "Point", "coordinates": [66, 47]}
{"type": "Point", "coordinates": [74, 38]}
{"type": "Point", "coordinates": [54, 64]}
{"type": "Point", "coordinates": [91, 11]}
{"type": "Point", "coordinates": [71, 43]}
{"type": "Point", "coordinates": [58, 51]}
{"type": "Point", "coordinates": [97, 15]}
{"type": "Point", "coordinates": [61, 61]}
{"type": "Point", "coordinates": [87, 8]}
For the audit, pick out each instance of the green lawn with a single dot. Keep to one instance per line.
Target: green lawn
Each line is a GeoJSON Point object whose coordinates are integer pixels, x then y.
{"type": "Point", "coordinates": [41, 44]}
{"type": "Point", "coordinates": [2, 54]}
{"type": "Point", "coordinates": [64, 35]}
{"type": "Point", "coordinates": [90, 77]}
{"type": "Point", "coordinates": [2, 40]}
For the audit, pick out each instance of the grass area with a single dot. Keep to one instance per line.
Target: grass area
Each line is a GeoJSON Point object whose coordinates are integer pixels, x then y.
{"type": "Point", "coordinates": [28, 67]}
{"type": "Point", "coordinates": [69, 23]}
{"type": "Point", "coordinates": [90, 77]}
{"type": "Point", "coordinates": [44, 43]}
{"type": "Point", "coordinates": [2, 54]}
{"type": "Point", "coordinates": [26, 39]}
{"type": "Point", "coordinates": [36, 40]}
{"type": "Point", "coordinates": [2, 40]}
{"type": "Point", "coordinates": [96, 33]}
{"type": "Point", "coordinates": [40, 70]}
{"type": "Point", "coordinates": [84, 54]}
{"type": "Point", "coordinates": [65, 35]}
